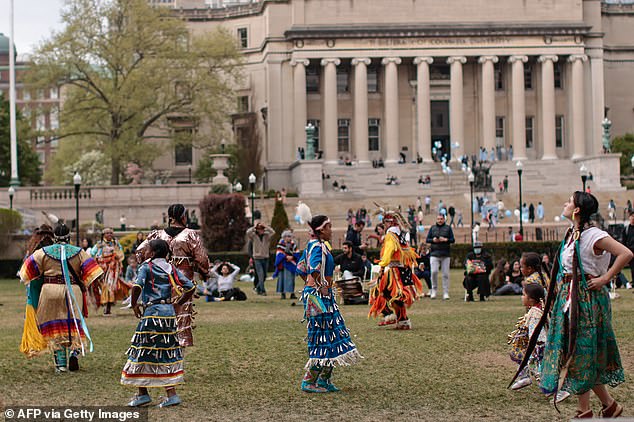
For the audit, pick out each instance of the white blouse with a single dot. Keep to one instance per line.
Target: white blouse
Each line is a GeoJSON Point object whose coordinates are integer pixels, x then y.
{"type": "Point", "coordinates": [592, 263]}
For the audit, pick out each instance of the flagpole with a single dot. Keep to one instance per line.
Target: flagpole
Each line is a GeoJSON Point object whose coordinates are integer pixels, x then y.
{"type": "Point", "coordinates": [15, 181]}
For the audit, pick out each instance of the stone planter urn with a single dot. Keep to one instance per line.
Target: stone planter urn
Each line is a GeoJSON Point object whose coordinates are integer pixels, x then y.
{"type": "Point", "coordinates": [220, 162]}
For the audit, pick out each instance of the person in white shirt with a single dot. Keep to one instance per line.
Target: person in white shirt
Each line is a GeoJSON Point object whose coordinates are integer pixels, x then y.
{"type": "Point", "coordinates": [226, 273]}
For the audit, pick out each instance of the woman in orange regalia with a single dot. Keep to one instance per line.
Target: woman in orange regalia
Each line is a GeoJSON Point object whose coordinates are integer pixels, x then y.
{"type": "Point", "coordinates": [397, 286]}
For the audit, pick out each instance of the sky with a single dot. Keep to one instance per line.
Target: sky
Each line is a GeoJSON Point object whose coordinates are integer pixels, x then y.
{"type": "Point", "coordinates": [33, 21]}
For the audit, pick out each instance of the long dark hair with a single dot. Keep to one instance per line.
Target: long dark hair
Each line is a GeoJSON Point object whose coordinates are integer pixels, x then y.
{"type": "Point", "coordinates": [42, 236]}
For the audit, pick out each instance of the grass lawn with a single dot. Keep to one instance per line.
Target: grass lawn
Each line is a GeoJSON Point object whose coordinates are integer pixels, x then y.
{"type": "Point", "coordinates": [248, 360]}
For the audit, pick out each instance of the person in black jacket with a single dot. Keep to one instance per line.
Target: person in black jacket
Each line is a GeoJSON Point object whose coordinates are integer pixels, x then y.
{"type": "Point", "coordinates": [350, 263]}
{"type": "Point", "coordinates": [478, 266]}
{"type": "Point", "coordinates": [440, 237]}
{"type": "Point", "coordinates": [354, 236]}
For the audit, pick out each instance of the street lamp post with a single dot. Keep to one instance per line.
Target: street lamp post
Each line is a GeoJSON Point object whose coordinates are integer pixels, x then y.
{"type": "Point", "coordinates": [584, 176]}
{"type": "Point", "coordinates": [77, 183]}
{"type": "Point", "coordinates": [252, 180]}
{"type": "Point", "coordinates": [471, 178]}
{"type": "Point", "coordinates": [520, 168]}
{"type": "Point", "coordinates": [11, 193]}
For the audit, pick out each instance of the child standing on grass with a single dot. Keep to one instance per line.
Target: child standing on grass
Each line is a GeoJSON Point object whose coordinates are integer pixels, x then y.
{"type": "Point", "coordinates": [533, 299]}
{"type": "Point", "coordinates": [155, 358]}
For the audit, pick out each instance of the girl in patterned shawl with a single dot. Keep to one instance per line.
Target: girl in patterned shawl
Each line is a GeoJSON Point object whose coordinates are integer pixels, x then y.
{"type": "Point", "coordinates": [581, 353]}
{"type": "Point", "coordinates": [329, 342]}
{"type": "Point", "coordinates": [533, 296]}
{"type": "Point", "coordinates": [155, 358]}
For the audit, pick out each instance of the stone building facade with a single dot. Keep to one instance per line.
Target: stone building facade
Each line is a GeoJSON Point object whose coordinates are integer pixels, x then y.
{"type": "Point", "coordinates": [381, 79]}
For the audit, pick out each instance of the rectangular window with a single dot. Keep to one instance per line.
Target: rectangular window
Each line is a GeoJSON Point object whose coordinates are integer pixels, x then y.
{"type": "Point", "coordinates": [499, 129]}
{"type": "Point", "coordinates": [42, 157]}
{"type": "Point", "coordinates": [343, 135]}
{"type": "Point", "coordinates": [373, 78]}
{"type": "Point", "coordinates": [27, 95]}
{"type": "Point", "coordinates": [559, 82]}
{"type": "Point", "coordinates": [374, 134]}
{"type": "Point", "coordinates": [559, 131]}
{"type": "Point", "coordinates": [243, 104]}
{"type": "Point", "coordinates": [528, 76]}
{"type": "Point", "coordinates": [312, 78]}
{"type": "Point", "coordinates": [183, 154]}
{"type": "Point", "coordinates": [40, 121]}
{"type": "Point", "coordinates": [315, 124]}
{"type": "Point", "coordinates": [530, 121]}
{"type": "Point", "coordinates": [243, 37]}
{"type": "Point", "coordinates": [499, 77]}
{"type": "Point", "coordinates": [342, 80]}
{"type": "Point", "coordinates": [54, 118]}
{"type": "Point", "coordinates": [54, 93]}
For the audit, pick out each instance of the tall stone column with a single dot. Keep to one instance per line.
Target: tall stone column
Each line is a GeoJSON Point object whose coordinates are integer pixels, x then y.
{"type": "Point", "coordinates": [423, 110]}
{"type": "Point", "coordinates": [548, 106]}
{"type": "Point", "coordinates": [577, 100]}
{"type": "Point", "coordinates": [518, 107]}
{"type": "Point", "coordinates": [360, 122]}
{"type": "Point", "coordinates": [329, 114]}
{"type": "Point", "coordinates": [456, 105]}
{"type": "Point", "coordinates": [391, 108]}
{"type": "Point", "coordinates": [488, 101]}
{"type": "Point", "coordinates": [300, 115]}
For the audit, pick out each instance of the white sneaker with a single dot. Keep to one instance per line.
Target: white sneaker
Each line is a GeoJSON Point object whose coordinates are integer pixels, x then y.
{"type": "Point", "coordinates": [445, 296]}
{"type": "Point", "coordinates": [521, 383]}
{"type": "Point", "coordinates": [628, 285]}
{"type": "Point", "coordinates": [432, 294]}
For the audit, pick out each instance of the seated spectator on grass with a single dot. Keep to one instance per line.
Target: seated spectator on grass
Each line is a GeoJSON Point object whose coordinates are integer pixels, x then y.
{"type": "Point", "coordinates": [513, 281]}
{"type": "Point", "coordinates": [349, 262]}
{"type": "Point", "coordinates": [498, 275]}
{"type": "Point", "coordinates": [226, 274]}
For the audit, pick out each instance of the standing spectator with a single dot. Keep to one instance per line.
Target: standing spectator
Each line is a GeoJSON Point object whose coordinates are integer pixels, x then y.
{"type": "Point", "coordinates": [286, 258]}
{"type": "Point", "coordinates": [531, 213]}
{"type": "Point", "coordinates": [427, 204]}
{"type": "Point", "coordinates": [139, 239]}
{"type": "Point", "coordinates": [505, 182]}
{"type": "Point", "coordinates": [478, 266]}
{"type": "Point", "coordinates": [452, 213]}
{"type": "Point", "coordinates": [419, 204]}
{"type": "Point", "coordinates": [628, 240]}
{"type": "Point", "coordinates": [354, 236]}
{"type": "Point", "coordinates": [500, 207]}
{"type": "Point", "coordinates": [440, 236]}
{"type": "Point", "coordinates": [260, 237]}
{"type": "Point", "coordinates": [193, 221]}
{"type": "Point", "coordinates": [378, 235]}
{"type": "Point", "coordinates": [459, 223]}
{"type": "Point", "coordinates": [510, 152]}
{"type": "Point", "coordinates": [540, 211]}
{"type": "Point", "coordinates": [611, 210]}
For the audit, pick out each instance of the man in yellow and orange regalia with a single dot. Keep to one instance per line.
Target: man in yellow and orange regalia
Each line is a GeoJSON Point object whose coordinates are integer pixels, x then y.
{"type": "Point", "coordinates": [397, 286]}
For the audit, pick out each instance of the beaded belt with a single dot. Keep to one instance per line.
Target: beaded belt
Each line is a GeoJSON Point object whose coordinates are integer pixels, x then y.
{"type": "Point", "coordinates": [56, 279]}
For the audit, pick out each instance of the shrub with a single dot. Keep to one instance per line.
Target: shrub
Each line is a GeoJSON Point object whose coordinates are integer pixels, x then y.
{"type": "Point", "coordinates": [223, 222]}
{"type": "Point", "coordinates": [279, 222]}
{"type": "Point", "coordinates": [127, 241]}
{"type": "Point", "coordinates": [10, 222]}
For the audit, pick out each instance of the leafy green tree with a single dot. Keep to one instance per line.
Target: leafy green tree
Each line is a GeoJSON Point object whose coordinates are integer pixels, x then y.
{"type": "Point", "coordinates": [625, 145]}
{"type": "Point", "coordinates": [28, 161]}
{"type": "Point", "coordinates": [133, 72]}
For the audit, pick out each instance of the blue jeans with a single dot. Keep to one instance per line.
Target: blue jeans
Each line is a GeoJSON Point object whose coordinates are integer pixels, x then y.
{"type": "Point", "coordinates": [260, 268]}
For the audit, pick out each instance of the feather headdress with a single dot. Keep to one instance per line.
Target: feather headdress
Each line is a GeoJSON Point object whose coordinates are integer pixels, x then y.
{"type": "Point", "coordinates": [392, 215]}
